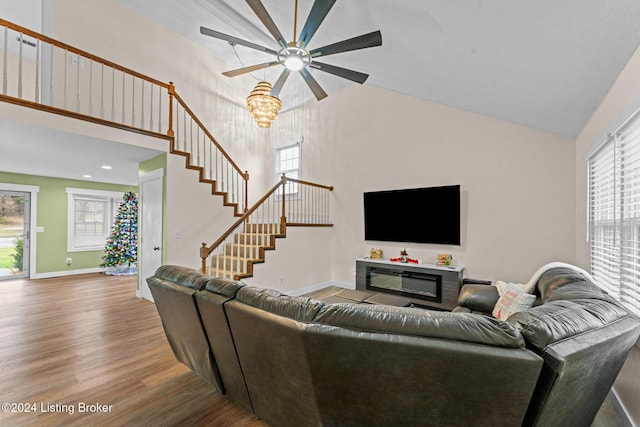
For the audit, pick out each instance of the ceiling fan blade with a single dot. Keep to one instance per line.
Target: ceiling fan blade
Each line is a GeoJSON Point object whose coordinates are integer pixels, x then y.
{"type": "Point", "coordinates": [360, 42]}
{"type": "Point", "coordinates": [313, 84]}
{"type": "Point", "coordinates": [235, 40]}
{"type": "Point", "coordinates": [259, 9]}
{"type": "Point", "coordinates": [277, 87]}
{"type": "Point", "coordinates": [244, 70]}
{"type": "Point", "coordinates": [318, 12]}
{"type": "Point", "coordinates": [354, 76]}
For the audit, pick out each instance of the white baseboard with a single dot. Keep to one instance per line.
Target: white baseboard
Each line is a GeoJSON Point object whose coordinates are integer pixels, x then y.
{"type": "Point", "coordinates": [51, 274]}
{"type": "Point", "coordinates": [319, 286]}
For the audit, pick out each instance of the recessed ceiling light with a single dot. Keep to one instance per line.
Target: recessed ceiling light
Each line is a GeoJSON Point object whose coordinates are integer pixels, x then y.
{"type": "Point", "coordinates": [86, 176]}
{"type": "Point", "coordinates": [107, 167]}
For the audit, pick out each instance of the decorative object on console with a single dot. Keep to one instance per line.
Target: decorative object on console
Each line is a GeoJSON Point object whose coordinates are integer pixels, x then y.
{"type": "Point", "coordinates": [406, 260]}
{"type": "Point", "coordinates": [376, 253]}
{"type": "Point", "coordinates": [444, 259]}
{"type": "Point", "coordinates": [263, 106]}
{"type": "Point", "coordinates": [404, 256]}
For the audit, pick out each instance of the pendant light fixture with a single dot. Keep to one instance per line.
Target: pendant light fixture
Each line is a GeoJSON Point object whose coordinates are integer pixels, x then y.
{"type": "Point", "coordinates": [263, 106]}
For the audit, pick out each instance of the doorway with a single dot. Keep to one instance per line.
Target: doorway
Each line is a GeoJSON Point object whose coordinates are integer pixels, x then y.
{"type": "Point", "coordinates": [151, 228]}
{"type": "Point", "coordinates": [15, 208]}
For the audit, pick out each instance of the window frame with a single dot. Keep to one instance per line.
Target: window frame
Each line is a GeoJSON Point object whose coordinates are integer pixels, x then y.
{"type": "Point", "coordinates": [111, 199]}
{"type": "Point", "coordinates": [292, 188]}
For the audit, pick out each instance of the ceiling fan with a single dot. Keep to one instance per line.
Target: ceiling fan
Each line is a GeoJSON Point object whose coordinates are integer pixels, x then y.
{"type": "Point", "coordinates": [294, 56]}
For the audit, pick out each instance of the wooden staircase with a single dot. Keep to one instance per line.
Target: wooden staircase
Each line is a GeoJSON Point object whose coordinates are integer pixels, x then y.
{"type": "Point", "coordinates": [246, 249]}
{"type": "Point", "coordinates": [290, 202]}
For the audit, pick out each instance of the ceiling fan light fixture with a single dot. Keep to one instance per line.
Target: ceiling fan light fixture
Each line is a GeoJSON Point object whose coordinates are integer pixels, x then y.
{"type": "Point", "coordinates": [293, 57]}
{"type": "Point", "coordinates": [293, 62]}
{"type": "Point", "coordinates": [263, 106]}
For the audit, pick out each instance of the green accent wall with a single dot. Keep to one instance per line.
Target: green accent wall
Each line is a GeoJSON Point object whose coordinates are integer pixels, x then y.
{"type": "Point", "coordinates": [52, 215]}
{"type": "Point", "coordinates": [152, 164]}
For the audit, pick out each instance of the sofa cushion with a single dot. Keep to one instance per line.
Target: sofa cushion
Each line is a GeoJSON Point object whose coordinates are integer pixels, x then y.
{"type": "Point", "coordinates": [477, 298]}
{"type": "Point", "coordinates": [225, 287]}
{"type": "Point", "coordinates": [561, 319]}
{"type": "Point", "coordinates": [183, 276]}
{"type": "Point", "coordinates": [419, 322]}
{"type": "Point", "coordinates": [512, 299]}
{"type": "Point", "coordinates": [554, 279]}
{"type": "Point", "coordinates": [298, 308]}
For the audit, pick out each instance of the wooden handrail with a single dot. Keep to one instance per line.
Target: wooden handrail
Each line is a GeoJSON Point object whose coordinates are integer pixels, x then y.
{"type": "Point", "coordinates": [311, 184]}
{"type": "Point", "coordinates": [205, 250]}
{"type": "Point", "coordinates": [172, 92]}
{"type": "Point", "coordinates": [81, 52]}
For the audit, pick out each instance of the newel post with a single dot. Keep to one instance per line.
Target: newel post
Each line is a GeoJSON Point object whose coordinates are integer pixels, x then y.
{"type": "Point", "coordinates": [172, 91]}
{"type": "Point", "coordinates": [204, 253]}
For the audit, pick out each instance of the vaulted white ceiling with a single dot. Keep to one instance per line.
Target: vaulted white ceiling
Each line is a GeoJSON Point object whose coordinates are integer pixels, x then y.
{"type": "Point", "coordinates": [546, 64]}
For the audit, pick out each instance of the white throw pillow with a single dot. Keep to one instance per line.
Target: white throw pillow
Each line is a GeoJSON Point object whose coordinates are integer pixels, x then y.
{"type": "Point", "coordinates": [512, 299]}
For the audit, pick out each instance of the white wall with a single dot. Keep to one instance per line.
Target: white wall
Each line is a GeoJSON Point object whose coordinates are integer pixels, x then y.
{"type": "Point", "coordinates": [517, 183]}
{"type": "Point", "coordinates": [194, 215]}
{"type": "Point", "coordinates": [302, 260]}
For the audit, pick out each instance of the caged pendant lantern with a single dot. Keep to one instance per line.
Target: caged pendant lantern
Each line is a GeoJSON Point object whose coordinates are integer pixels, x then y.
{"type": "Point", "coordinates": [263, 107]}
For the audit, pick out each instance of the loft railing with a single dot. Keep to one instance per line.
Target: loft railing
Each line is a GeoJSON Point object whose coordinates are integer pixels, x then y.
{"type": "Point", "coordinates": [291, 202]}
{"type": "Point", "coordinates": [45, 74]}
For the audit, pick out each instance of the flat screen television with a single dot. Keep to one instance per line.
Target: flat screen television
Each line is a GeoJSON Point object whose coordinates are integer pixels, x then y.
{"type": "Point", "coordinates": [416, 215]}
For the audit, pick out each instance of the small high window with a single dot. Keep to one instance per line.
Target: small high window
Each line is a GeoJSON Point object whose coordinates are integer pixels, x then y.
{"type": "Point", "coordinates": [288, 163]}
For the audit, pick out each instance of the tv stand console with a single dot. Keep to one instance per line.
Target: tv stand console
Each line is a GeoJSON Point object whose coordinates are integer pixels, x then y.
{"type": "Point", "coordinates": [427, 285]}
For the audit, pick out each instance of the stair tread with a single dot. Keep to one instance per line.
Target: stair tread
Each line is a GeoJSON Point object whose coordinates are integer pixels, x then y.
{"type": "Point", "coordinates": [226, 273]}
{"type": "Point", "coordinates": [236, 257]}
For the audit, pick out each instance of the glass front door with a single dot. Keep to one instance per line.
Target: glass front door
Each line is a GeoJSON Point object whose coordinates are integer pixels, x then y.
{"type": "Point", "coordinates": [14, 234]}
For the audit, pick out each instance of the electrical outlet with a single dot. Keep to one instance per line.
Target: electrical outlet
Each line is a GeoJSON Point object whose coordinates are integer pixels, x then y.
{"type": "Point", "coordinates": [68, 261]}
{"type": "Point", "coordinates": [281, 280]}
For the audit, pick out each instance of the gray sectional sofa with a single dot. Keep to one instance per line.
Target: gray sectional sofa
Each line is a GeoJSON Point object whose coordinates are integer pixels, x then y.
{"type": "Point", "coordinates": [297, 361]}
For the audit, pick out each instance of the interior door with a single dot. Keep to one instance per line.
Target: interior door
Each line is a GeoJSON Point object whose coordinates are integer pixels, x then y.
{"type": "Point", "coordinates": [150, 249]}
{"type": "Point", "coordinates": [14, 234]}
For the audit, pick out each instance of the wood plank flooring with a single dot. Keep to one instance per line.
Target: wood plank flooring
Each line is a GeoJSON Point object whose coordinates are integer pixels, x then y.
{"type": "Point", "coordinates": [87, 340]}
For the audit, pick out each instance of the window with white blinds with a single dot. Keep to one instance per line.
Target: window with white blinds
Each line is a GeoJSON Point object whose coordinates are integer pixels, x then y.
{"type": "Point", "coordinates": [614, 214]}
{"type": "Point", "coordinates": [90, 218]}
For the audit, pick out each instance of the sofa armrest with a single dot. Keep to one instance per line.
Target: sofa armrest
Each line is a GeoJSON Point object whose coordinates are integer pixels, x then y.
{"type": "Point", "coordinates": [480, 298]}
{"type": "Point", "coordinates": [470, 281]}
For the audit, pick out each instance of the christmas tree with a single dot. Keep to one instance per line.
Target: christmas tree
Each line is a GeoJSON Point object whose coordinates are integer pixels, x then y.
{"type": "Point", "coordinates": [122, 245]}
